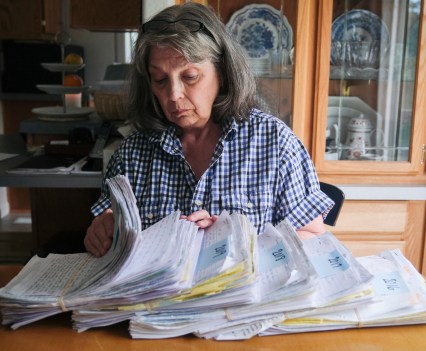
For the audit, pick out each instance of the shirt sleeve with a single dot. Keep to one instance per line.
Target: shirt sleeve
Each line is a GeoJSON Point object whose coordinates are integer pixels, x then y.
{"type": "Point", "coordinates": [114, 167]}
{"type": "Point", "coordinates": [301, 199]}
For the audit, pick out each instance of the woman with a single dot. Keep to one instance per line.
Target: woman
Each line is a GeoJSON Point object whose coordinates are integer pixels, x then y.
{"type": "Point", "coordinates": [200, 146]}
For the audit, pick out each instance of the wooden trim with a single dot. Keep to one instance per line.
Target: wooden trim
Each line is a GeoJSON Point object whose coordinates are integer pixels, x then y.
{"type": "Point", "coordinates": [414, 233]}
{"type": "Point", "coordinates": [364, 167]}
{"type": "Point", "coordinates": [423, 270]}
{"type": "Point", "coordinates": [52, 13]}
{"type": "Point", "coordinates": [418, 129]}
{"type": "Point", "coordinates": [378, 179]}
{"type": "Point", "coordinates": [321, 82]}
{"type": "Point", "coordinates": [304, 71]}
{"type": "Point", "coordinates": [180, 2]}
{"type": "Point", "coordinates": [110, 16]}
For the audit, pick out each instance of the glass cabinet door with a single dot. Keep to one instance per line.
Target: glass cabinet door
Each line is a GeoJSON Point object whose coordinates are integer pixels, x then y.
{"type": "Point", "coordinates": [371, 93]}
{"type": "Point", "coordinates": [266, 31]}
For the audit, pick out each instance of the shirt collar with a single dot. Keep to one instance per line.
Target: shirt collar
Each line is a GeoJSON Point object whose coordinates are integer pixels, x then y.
{"type": "Point", "coordinates": [167, 139]}
{"type": "Point", "coordinates": [229, 129]}
{"type": "Point", "coordinates": [170, 142]}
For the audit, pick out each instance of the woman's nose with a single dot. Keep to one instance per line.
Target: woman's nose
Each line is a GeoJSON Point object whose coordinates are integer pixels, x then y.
{"type": "Point", "coordinates": [176, 90]}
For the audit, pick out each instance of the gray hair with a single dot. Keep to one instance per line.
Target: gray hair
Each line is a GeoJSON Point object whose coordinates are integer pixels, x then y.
{"type": "Point", "coordinates": [212, 42]}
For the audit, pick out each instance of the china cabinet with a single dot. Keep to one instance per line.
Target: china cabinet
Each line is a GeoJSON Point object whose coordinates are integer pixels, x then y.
{"type": "Point", "coordinates": [350, 59]}
{"type": "Point", "coordinates": [353, 91]}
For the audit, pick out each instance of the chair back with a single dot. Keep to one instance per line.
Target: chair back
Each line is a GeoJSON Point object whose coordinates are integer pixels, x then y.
{"type": "Point", "coordinates": [338, 196]}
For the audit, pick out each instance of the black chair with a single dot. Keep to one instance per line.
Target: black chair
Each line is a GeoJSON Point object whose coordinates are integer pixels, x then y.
{"type": "Point", "coordinates": [338, 196]}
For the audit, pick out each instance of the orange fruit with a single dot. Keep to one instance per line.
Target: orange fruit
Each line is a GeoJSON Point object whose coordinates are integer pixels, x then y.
{"type": "Point", "coordinates": [73, 59]}
{"type": "Point", "coordinates": [73, 80]}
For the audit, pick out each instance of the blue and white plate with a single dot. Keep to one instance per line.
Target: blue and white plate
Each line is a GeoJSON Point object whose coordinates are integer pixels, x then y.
{"type": "Point", "coordinates": [259, 29]}
{"type": "Point", "coordinates": [359, 25]}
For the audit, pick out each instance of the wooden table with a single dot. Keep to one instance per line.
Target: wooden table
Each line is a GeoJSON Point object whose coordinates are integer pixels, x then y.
{"type": "Point", "coordinates": [56, 333]}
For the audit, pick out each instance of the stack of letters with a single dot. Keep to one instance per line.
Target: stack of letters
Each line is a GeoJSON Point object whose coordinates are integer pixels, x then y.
{"type": "Point", "coordinates": [224, 282]}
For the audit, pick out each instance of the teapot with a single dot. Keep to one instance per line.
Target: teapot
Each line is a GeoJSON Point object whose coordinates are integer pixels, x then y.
{"type": "Point", "coordinates": [358, 139]}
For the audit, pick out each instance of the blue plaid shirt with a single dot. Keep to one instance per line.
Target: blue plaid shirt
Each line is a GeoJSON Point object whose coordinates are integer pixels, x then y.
{"type": "Point", "coordinates": [259, 168]}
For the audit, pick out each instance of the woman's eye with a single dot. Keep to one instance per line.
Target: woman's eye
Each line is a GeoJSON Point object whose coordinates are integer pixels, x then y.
{"type": "Point", "coordinates": [159, 80]}
{"type": "Point", "coordinates": [191, 77]}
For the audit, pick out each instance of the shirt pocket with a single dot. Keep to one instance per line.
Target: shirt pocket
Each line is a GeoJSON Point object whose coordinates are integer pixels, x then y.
{"type": "Point", "coordinates": [152, 212]}
{"type": "Point", "coordinates": [256, 206]}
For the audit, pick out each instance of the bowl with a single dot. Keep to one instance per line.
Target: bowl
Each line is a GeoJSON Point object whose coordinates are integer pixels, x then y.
{"type": "Point", "coordinates": [360, 54]}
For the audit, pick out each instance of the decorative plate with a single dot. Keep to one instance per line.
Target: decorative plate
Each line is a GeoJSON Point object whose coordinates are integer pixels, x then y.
{"type": "Point", "coordinates": [260, 28]}
{"type": "Point", "coordinates": [58, 111]}
{"type": "Point", "coordinates": [62, 67]}
{"type": "Point", "coordinates": [61, 89]}
{"type": "Point", "coordinates": [359, 25]}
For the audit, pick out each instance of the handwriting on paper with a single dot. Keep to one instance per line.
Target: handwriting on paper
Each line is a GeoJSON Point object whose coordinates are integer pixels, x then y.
{"type": "Point", "coordinates": [272, 257]}
{"type": "Point", "coordinates": [389, 283]}
{"type": "Point", "coordinates": [330, 263]}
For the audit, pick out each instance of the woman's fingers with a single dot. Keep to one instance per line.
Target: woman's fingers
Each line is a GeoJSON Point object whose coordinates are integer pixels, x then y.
{"type": "Point", "coordinates": [99, 235]}
{"type": "Point", "coordinates": [201, 218]}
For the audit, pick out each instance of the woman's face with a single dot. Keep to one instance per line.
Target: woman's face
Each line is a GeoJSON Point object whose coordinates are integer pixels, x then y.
{"type": "Point", "coordinates": [186, 91]}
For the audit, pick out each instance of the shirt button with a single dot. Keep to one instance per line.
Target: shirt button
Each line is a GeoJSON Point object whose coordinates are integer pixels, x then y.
{"type": "Point", "coordinates": [150, 215]}
{"type": "Point", "coordinates": [198, 202]}
{"type": "Point", "coordinates": [249, 205]}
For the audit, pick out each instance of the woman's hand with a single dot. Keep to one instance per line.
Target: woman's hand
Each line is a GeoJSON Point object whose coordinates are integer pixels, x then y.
{"type": "Point", "coordinates": [312, 229]}
{"type": "Point", "coordinates": [99, 235]}
{"type": "Point", "coordinates": [201, 218]}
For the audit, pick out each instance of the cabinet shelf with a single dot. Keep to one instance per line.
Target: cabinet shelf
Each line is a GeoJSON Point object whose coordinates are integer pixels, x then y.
{"type": "Point", "coordinates": [285, 72]}
{"type": "Point", "coordinates": [355, 73]}
{"type": "Point", "coordinates": [373, 153]}
{"type": "Point", "coordinates": [367, 74]}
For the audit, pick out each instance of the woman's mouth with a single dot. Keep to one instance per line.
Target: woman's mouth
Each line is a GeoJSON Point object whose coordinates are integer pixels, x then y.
{"type": "Point", "coordinates": [179, 113]}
